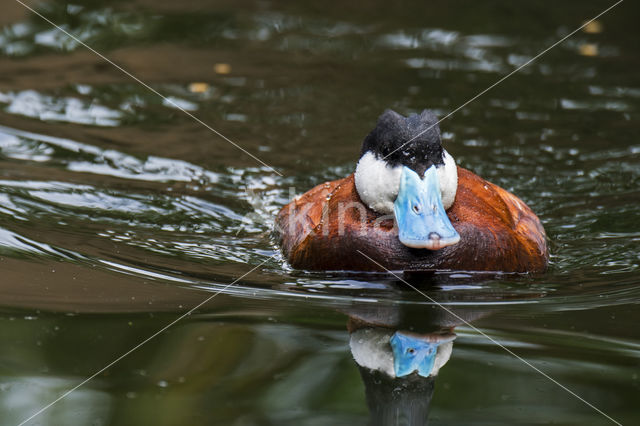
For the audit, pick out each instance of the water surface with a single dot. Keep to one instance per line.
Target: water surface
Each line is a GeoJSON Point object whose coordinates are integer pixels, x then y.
{"type": "Point", "coordinates": [118, 212]}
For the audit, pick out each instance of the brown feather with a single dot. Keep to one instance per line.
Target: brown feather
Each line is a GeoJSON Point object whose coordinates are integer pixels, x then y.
{"type": "Point", "coordinates": [322, 230]}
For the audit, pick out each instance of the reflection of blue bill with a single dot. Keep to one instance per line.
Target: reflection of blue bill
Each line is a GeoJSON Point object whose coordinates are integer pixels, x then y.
{"type": "Point", "coordinates": [413, 354]}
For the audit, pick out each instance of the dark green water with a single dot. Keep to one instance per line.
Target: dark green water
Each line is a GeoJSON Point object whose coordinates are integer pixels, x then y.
{"type": "Point", "coordinates": [118, 212]}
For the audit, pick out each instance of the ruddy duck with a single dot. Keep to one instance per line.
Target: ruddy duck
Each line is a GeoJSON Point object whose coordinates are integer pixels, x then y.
{"type": "Point", "coordinates": [409, 207]}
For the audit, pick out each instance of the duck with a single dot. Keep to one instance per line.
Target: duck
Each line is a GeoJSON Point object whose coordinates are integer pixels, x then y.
{"type": "Point", "coordinates": [408, 206]}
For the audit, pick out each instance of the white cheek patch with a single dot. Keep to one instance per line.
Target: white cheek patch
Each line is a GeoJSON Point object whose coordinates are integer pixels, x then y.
{"type": "Point", "coordinates": [448, 178]}
{"type": "Point", "coordinates": [377, 183]}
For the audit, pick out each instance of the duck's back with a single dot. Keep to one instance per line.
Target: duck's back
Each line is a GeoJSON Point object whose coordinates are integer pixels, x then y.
{"type": "Point", "coordinates": [322, 230]}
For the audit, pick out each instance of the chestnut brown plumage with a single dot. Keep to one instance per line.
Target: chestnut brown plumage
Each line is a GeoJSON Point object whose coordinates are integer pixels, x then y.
{"type": "Point", "coordinates": [322, 230]}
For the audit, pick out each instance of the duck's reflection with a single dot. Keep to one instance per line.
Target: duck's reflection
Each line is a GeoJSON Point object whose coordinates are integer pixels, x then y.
{"type": "Point", "coordinates": [400, 350]}
{"type": "Point", "coordinates": [401, 353]}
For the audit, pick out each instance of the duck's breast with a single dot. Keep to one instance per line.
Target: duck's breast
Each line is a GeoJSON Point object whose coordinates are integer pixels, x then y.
{"type": "Point", "coordinates": [323, 230]}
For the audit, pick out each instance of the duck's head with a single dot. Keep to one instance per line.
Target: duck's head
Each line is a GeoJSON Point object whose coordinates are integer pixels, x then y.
{"type": "Point", "coordinates": [404, 170]}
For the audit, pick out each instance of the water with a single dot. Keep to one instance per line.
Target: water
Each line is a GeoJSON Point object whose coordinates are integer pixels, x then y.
{"type": "Point", "coordinates": [118, 213]}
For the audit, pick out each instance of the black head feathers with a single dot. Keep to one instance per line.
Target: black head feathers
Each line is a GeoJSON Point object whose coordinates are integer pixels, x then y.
{"type": "Point", "coordinates": [412, 141]}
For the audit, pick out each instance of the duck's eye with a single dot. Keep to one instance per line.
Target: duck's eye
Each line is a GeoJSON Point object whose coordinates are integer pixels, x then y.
{"type": "Point", "coordinates": [416, 208]}
{"type": "Point", "coordinates": [411, 351]}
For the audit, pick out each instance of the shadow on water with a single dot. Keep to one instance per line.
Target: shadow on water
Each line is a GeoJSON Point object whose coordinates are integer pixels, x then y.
{"type": "Point", "coordinates": [118, 213]}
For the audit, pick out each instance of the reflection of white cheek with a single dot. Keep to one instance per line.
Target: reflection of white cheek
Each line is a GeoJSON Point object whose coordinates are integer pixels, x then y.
{"type": "Point", "coordinates": [370, 349]}
{"type": "Point", "coordinates": [442, 356]}
{"type": "Point", "coordinates": [377, 183]}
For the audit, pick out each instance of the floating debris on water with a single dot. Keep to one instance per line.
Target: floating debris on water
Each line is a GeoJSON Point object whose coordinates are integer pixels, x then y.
{"type": "Point", "coordinates": [593, 27]}
{"type": "Point", "coordinates": [222, 68]}
{"type": "Point", "coordinates": [588, 49]}
{"type": "Point", "coordinates": [198, 87]}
